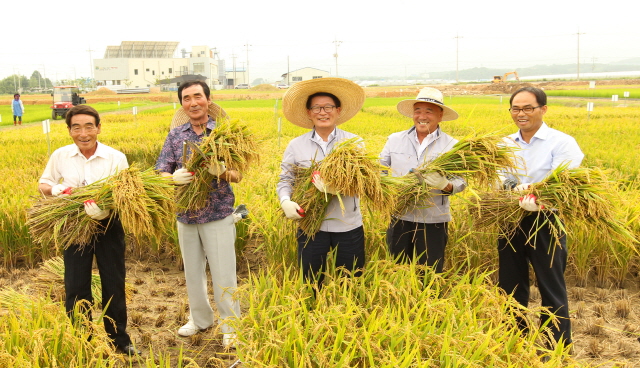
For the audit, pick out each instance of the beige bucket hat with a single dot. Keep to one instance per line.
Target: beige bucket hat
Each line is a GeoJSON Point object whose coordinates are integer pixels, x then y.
{"type": "Point", "coordinates": [294, 101]}
{"type": "Point", "coordinates": [180, 117]}
{"type": "Point", "coordinates": [427, 94]}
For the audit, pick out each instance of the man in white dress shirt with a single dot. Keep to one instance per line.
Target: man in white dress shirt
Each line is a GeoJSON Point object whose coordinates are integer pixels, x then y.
{"type": "Point", "coordinates": [76, 165]}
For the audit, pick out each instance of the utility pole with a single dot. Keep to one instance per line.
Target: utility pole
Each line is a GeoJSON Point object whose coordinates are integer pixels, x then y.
{"type": "Point", "coordinates": [247, 70]}
{"type": "Point", "coordinates": [91, 67]}
{"type": "Point", "coordinates": [44, 75]}
{"type": "Point", "coordinates": [337, 43]}
{"type": "Point", "coordinates": [235, 80]}
{"type": "Point", "coordinates": [457, 39]}
{"type": "Point", "coordinates": [578, 34]}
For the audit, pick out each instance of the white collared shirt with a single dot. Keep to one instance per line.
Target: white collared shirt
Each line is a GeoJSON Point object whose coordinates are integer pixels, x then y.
{"type": "Point", "coordinates": [68, 166]}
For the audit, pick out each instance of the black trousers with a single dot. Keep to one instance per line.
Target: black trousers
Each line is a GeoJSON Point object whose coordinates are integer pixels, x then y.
{"type": "Point", "coordinates": [424, 243]}
{"type": "Point", "coordinates": [549, 262]}
{"type": "Point", "coordinates": [312, 253]}
{"type": "Point", "coordinates": [108, 249]}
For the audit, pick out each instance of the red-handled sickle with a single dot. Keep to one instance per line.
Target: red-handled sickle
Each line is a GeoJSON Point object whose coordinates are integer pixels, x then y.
{"type": "Point", "coordinates": [300, 212]}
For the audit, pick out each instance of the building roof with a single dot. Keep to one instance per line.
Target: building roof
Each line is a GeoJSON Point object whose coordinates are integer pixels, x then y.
{"type": "Point", "coordinates": [184, 78]}
{"type": "Point", "coordinates": [142, 50]}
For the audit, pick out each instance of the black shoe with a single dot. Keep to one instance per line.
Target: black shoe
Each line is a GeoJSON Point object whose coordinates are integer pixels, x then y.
{"type": "Point", "coordinates": [129, 350]}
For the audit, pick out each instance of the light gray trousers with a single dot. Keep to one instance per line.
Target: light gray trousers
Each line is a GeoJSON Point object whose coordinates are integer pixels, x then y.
{"type": "Point", "coordinates": [213, 241]}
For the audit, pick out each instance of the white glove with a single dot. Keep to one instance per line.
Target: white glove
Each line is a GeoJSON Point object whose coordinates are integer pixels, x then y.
{"type": "Point", "coordinates": [182, 176]}
{"type": "Point", "coordinates": [60, 190]}
{"type": "Point", "coordinates": [236, 217]}
{"type": "Point", "coordinates": [320, 184]}
{"type": "Point", "coordinates": [528, 203]}
{"type": "Point", "coordinates": [95, 212]}
{"type": "Point", "coordinates": [291, 209]}
{"type": "Point", "coordinates": [435, 180]}
{"type": "Point", "coordinates": [217, 169]}
{"type": "Point", "coordinates": [522, 187]}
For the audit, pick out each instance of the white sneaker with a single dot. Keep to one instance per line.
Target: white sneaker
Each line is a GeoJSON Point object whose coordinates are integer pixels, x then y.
{"type": "Point", "coordinates": [189, 329]}
{"type": "Point", "coordinates": [229, 340]}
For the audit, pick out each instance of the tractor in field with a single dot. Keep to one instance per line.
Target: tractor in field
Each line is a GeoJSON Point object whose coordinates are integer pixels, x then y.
{"type": "Point", "coordinates": [64, 98]}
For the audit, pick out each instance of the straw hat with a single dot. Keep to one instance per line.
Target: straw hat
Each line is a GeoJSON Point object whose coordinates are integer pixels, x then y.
{"type": "Point", "coordinates": [427, 94]}
{"type": "Point", "coordinates": [181, 117]}
{"type": "Point", "coordinates": [294, 101]}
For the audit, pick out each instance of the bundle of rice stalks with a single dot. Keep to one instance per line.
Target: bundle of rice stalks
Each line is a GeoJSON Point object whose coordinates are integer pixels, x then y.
{"type": "Point", "coordinates": [310, 199]}
{"type": "Point", "coordinates": [142, 199]}
{"type": "Point", "coordinates": [144, 203]}
{"type": "Point", "coordinates": [351, 172]}
{"type": "Point", "coordinates": [478, 160]}
{"type": "Point", "coordinates": [580, 198]}
{"type": "Point", "coordinates": [231, 143]}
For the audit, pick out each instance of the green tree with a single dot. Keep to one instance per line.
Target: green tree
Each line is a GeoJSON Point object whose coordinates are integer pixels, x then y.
{"type": "Point", "coordinates": [14, 83]}
{"type": "Point", "coordinates": [36, 80]}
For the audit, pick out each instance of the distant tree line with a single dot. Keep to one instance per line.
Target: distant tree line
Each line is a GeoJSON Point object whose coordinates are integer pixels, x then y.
{"type": "Point", "coordinates": [20, 83]}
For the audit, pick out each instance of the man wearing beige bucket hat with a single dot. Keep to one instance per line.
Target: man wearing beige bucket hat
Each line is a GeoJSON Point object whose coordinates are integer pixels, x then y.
{"type": "Point", "coordinates": [321, 105]}
{"type": "Point", "coordinates": [421, 233]}
{"type": "Point", "coordinates": [208, 234]}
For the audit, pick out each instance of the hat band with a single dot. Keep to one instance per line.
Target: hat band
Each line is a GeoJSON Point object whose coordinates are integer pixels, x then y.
{"type": "Point", "coordinates": [427, 99]}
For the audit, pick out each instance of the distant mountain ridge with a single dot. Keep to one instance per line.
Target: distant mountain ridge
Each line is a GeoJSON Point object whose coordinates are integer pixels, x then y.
{"type": "Point", "coordinates": [488, 73]}
{"type": "Point", "coordinates": [482, 73]}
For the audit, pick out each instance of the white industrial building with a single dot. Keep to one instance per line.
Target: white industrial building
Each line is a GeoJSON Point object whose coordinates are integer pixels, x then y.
{"type": "Point", "coordinates": [146, 64]}
{"type": "Point", "coordinates": [303, 74]}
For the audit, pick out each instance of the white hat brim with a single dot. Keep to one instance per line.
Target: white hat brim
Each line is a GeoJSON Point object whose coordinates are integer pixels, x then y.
{"type": "Point", "coordinates": [405, 107]}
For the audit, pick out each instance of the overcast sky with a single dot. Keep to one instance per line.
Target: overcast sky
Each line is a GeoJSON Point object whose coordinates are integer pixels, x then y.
{"type": "Point", "coordinates": [399, 37]}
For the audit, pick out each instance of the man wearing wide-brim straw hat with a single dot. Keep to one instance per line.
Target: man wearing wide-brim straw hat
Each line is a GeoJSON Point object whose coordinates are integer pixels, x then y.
{"type": "Point", "coordinates": [207, 234]}
{"type": "Point", "coordinates": [321, 105]}
{"type": "Point", "coordinates": [421, 233]}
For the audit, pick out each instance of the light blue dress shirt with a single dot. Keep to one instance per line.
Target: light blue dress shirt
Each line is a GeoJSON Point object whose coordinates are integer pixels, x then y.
{"type": "Point", "coordinates": [547, 150]}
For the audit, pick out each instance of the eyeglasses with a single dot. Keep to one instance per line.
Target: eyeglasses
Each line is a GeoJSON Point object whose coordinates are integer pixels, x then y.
{"type": "Point", "coordinates": [527, 110]}
{"type": "Point", "coordinates": [88, 129]}
{"type": "Point", "coordinates": [317, 109]}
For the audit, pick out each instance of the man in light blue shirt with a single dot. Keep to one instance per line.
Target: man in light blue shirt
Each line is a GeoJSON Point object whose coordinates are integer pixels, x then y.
{"type": "Point", "coordinates": [421, 233]}
{"type": "Point", "coordinates": [541, 149]}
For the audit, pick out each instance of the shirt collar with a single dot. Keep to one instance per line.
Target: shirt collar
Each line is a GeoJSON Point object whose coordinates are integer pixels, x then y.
{"type": "Point", "coordinates": [542, 133]}
{"type": "Point", "coordinates": [412, 131]}
{"type": "Point", "coordinates": [100, 151]}
{"type": "Point", "coordinates": [211, 124]}
{"type": "Point", "coordinates": [317, 137]}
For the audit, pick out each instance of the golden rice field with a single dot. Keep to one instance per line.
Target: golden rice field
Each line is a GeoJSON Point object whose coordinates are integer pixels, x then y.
{"type": "Point", "coordinates": [389, 317]}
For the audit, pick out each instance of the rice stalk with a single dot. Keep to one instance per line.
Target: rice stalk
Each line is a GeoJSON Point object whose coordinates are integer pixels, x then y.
{"type": "Point", "coordinates": [141, 199]}
{"type": "Point", "coordinates": [231, 143]}
{"type": "Point", "coordinates": [580, 198]}
{"type": "Point", "coordinates": [351, 171]}
{"type": "Point", "coordinates": [478, 160]}
{"type": "Point", "coordinates": [54, 277]}
{"type": "Point", "coordinates": [310, 199]}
